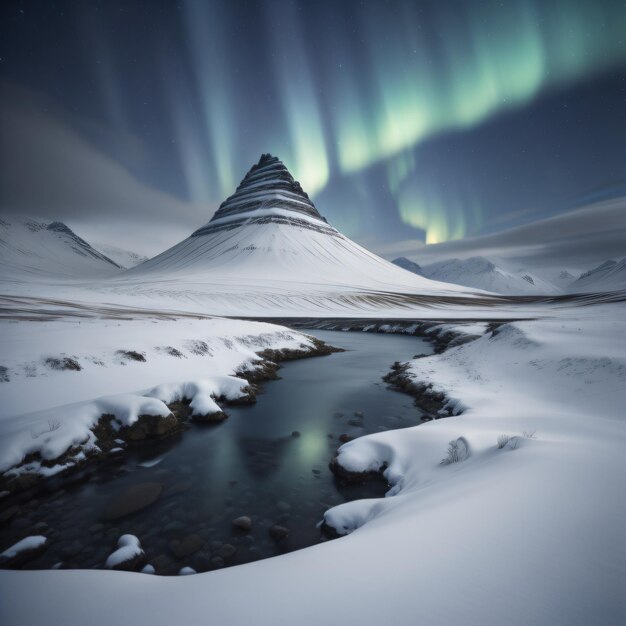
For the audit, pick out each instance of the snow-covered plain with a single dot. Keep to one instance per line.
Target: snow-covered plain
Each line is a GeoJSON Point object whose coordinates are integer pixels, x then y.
{"type": "Point", "coordinates": [529, 533]}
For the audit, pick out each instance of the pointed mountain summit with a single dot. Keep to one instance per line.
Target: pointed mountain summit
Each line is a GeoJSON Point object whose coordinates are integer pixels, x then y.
{"type": "Point", "coordinates": [268, 193]}
{"type": "Point", "coordinates": [268, 248]}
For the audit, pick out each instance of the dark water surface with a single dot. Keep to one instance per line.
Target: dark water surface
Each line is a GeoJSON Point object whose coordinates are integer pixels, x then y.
{"type": "Point", "coordinates": [254, 464]}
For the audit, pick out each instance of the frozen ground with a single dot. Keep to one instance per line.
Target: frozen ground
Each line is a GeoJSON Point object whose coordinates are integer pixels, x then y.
{"type": "Point", "coordinates": [527, 533]}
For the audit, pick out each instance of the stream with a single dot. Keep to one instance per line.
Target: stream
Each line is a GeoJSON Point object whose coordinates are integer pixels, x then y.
{"type": "Point", "coordinates": [267, 461]}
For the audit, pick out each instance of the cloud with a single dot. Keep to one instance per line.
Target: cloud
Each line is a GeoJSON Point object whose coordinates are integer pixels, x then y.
{"type": "Point", "coordinates": [576, 240]}
{"type": "Point", "coordinates": [49, 170]}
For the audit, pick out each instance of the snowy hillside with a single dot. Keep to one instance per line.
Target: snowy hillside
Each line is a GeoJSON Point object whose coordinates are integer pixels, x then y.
{"type": "Point", "coordinates": [30, 248]}
{"type": "Point", "coordinates": [268, 240]}
{"type": "Point", "coordinates": [124, 258]}
{"type": "Point", "coordinates": [482, 273]}
{"type": "Point", "coordinates": [407, 264]}
{"type": "Point", "coordinates": [609, 276]}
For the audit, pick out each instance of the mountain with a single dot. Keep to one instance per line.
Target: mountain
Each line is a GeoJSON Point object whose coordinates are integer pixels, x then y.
{"type": "Point", "coordinates": [482, 273]}
{"type": "Point", "coordinates": [268, 242]}
{"type": "Point", "coordinates": [33, 248]}
{"type": "Point", "coordinates": [408, 265]}
{"type": "Point", "coordinates": [609, 276]}
{"type": "Point", "coordinates": [123, 258]}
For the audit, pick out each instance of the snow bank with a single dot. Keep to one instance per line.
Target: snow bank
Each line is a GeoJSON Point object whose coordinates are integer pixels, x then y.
{"type": "Point", "coordinates": [46, 412]}
{"type": "Point", "coordinates": [202, 392]}
{"type": "Point", "coordinates": [52, 432]}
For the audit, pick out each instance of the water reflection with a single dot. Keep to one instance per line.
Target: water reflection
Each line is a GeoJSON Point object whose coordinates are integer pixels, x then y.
{"type": "Point", "coordinates": [268, 461]}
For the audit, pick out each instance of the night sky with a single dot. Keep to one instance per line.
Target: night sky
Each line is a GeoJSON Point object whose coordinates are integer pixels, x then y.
{"type": "Point", "coordinates": [407, 122]}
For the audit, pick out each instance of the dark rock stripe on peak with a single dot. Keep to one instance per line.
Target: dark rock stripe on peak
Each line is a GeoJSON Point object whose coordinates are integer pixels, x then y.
{"type": "Point", "coordinates": [268, 184]}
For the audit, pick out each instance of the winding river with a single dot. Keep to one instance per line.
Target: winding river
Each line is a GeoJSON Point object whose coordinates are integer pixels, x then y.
{"type": "Point", "coordinates": [267, 461]}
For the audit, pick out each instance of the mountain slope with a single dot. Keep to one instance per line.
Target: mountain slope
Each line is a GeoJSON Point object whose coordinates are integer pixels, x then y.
{"type": "Point", "coordinates": [124, 258]}
{"type": "Point", "coordinates": [32, 248]}
{"type": "Point", "coordinates": [608, 276]}
{"type": "Point", "coordinates": [269, 239]}
{"type": "Point", "coordinates": [481, 273]}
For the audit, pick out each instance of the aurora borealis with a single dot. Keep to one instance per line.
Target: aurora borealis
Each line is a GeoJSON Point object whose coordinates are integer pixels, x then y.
{"type": "Point", "coordinates": [404, 120]}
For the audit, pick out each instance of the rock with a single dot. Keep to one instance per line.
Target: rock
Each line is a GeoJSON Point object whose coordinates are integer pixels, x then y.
{"type": "Point", "coordinates": [9, 513]}
{"type": "Point", "coordinates": [216, 545]}
{"type": "Point", "coordinates": [295, 433]}
{"type": "Point", "coordinates": [359, 414]}
{"type": "Point", "coordinates": [243, 523]}
{"type": "Point", "coordinates": [23, 551]}
{"type": "Point", "coordinates": [283, 506]}
{"type": "Point", "coordinates": [343, 438]}
{"type": "Point", "coordinates": [179, 487]}
{"type": "Point", "coordinates": [217, 562]}
{"type": "Point", "coordinates": [163, 564]}
{"type": "Point", "coordinates": [20, 523]}
{"type": "Point", "coordinates": [152, 427]}
{"type": "Point", "coordinates": [41, 527]}
{"type": "Point", "coordinates": [174, 526]}
{"type": "Point", "coordinates": [278, 533]}
{"type": "Point", "coordinates": [128, 557]}
{"type": "Point", "coordinates": [209, 418]}
{"type": "Point", "coordinates": [186, 571]}
{"type": "Point", "coordinates": [133, 499]}
{"type": "Point", "coordinates": [186, 546]}
{"type": "Point", "coordinates": [96, 528]}
{"type": "Point", "coordinates": [316, 471]}
{"type": "Point", "coordinates": [132, 355]}
{"type": "Point", "coordinates": [148, 569]}
{"type": "Point", "coordinates": [201, 561]}
{"type": "Point", "coordinates": [356, 423]}
{"type": "Point", "coordinates": [69, 550]}
{"type": "Point", "coordinates": [227, 550]}
{"type": "Point", "coordinates": [254, 554]}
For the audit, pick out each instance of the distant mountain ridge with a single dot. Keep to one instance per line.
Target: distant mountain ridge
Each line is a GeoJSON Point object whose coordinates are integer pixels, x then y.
{"type": "Point", "coordinates": [31, 247]}
{"type": "Point", "coordinates": [408, 265]}
{"type": "Point", "coordinates": [482, 273]}
{"type": "Point", "coordinates": [610, 275]}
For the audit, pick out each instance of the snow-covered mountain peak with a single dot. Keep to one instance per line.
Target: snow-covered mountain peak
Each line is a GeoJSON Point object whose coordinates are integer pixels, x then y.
{"type": "Point", "coordinates": [608, 276]}
{"type": "Point", "coordinates": [408, 265]}
{"type": "Point", "coordinates": [268, 239]}
{"type": "Point", "coordinates": [35, 248]}
{"type": "Point", "coordinates": [268, 193]}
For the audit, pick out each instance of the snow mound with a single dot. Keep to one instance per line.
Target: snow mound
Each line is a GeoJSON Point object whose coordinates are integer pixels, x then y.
{"type": "Point", "coordinates": [201, 393]}
{"type": "Point", "coordinates": [128, 547]}
{"type": "Point", "coordinates": [27, 544]}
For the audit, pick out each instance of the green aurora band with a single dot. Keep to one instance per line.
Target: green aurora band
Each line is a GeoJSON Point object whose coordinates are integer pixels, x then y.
{"type": "Point", "coordinates": [376, 99]}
